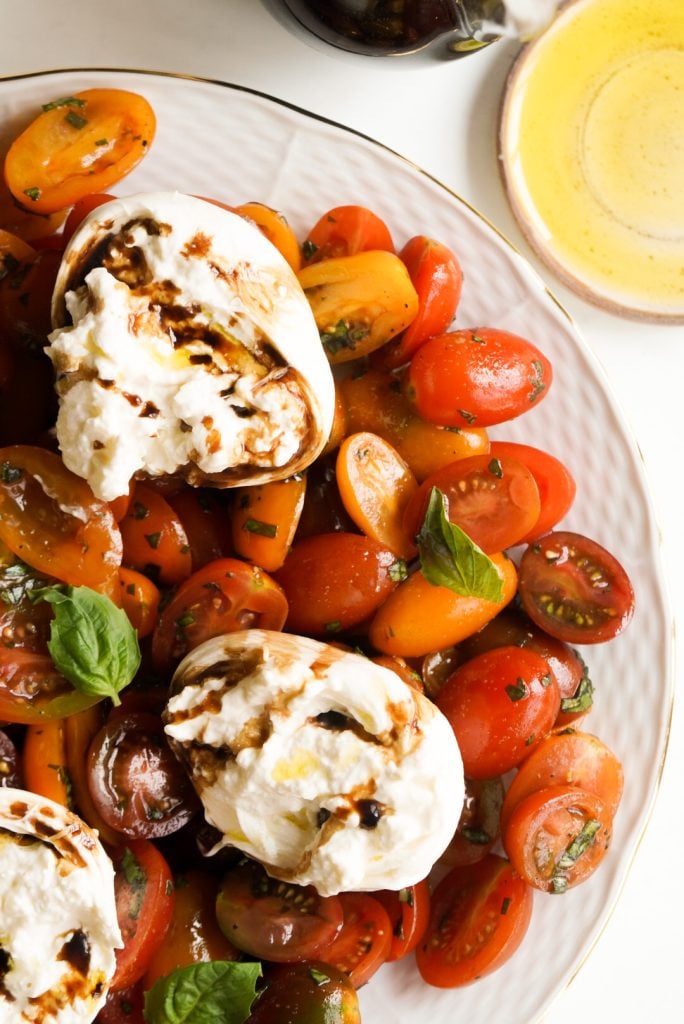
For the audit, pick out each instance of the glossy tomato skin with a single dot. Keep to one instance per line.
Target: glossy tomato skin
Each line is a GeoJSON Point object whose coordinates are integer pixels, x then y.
{"type": "Point", "coordinates": [135, 782]}
{"type": "Point", "coordinates": [480, 914]}
{"type": "Point", "coordinates": [51, 520]}
{"type": "Point", "coordinates": [437, 277]}
{"type": "Point", "coordinates": [10, 768]}
{"type": "Point", "coordinates": [556, 837]}
{"type": "Point", "coordinates": [363, 944]}
{"type": "Point", "coordinates": [144, 891]}
{"type": "Point", "coordinates": [312, 992]}
{"type": "Point", "coordinates": [344, 231]}
{"type": "Point", "coordinates": [334, 581]}
{"type": "Point", "coordinates": [273, 920]}
{"type": "Point", "coordinates": [224, 596]}
{"type": "Point", "coordinates": [555, 483]}
{"type": "Point", "coordinates": [409, 911]}
{"type": "Point", "coordinates": [154, 541]}
{"type": "Point", "coordinates": [479, 825]}
{"type": "Point", "coordinates": [500, 704]}
{"type": "Point", "coordinates": [107, 131]}
{"type": "Point", "coordinates": [575, 589]}
{"type": "Point", "coordinates": [477, 377]}
{"type": "Point", "coordinates": [493, 500]}
{"type": "Point", "coordinates": [123, 1007]}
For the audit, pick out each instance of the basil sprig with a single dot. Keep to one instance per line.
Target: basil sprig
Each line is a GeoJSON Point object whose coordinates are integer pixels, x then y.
{"type": "Point", "coordinates": [92, 642]}
{"type": "Point", "coordinates": [449, 558]}
{"type": "Point", "coordinates": [204, 993]}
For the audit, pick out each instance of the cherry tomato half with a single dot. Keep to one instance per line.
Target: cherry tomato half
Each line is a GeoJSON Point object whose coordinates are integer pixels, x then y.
{"type": "Point", "coordinates": [78, 145]}
{"type": "Point", "coordinates": [409, 911]}
{"type": "Point", "coordinates": [500, 704]}
{"type": "Point", "coordinates": [494, 500]}
{"type": "Point", "coordinates": [154, 541]}
{"type": "Point", "coordinates": [51, 519]}
{"type": "Point", "coordinates": [307, 993]}
{"type": "Point", "coordinates": [135, 782]}
{"type": "Point", "coordinates": [477, 377]}
{"type": "Point", "coordinates": [557, 837]}
{"type": "Point", "coordinates": [480, 914]}
{"type": "Point", "coordinates": [144, 891]}
{"type": "Point", "coordinates": [275, 920]}
{"type": "Point", "coordinates": [555, 483]}
{"type": "Point", "coordinates": [10, 769]}
{"type": "Point", "coordinates": [363, 944]}
{"type": "Point", "coordinates": [574, 589]}
{"type": "Point", "coordinates": [222, 597]}
{"type": "Point", "coordinates": [478, 827]}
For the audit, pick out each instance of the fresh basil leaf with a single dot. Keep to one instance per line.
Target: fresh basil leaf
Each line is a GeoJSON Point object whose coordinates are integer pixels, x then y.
{"type": "Point", "coordinates": [204, 993]}
{"type": "Point", "coordinates": [449, 558]}
{"type": "Point", "coordinates": [92, 642]}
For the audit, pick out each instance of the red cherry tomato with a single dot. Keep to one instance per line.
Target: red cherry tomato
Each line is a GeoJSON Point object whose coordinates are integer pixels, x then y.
{"type": "Point", "coordinates": [10, 769]}
{"type": "Point", "coordinates": [336, 580]}
{"type": "Point", "coordinates": [123, 1007]}
{"type": "Point", "coordinates": [363, 944]}
{"type": "Point", "coordinates": [274, 920]}
{"type": "Point", "coordinates": [344, 231]}
{"type": "Point", "coordinates": [574, 589]}
{"type": "Point", "coordinates": [222, 597]}
{"type": "Point", "coordinates": [137, 785]}
{"type": "Point", "coordinates": [500, 704]}
{"type": "Point", "coordinates": [437, 278]}
{"type": "Point", "coordinates": [480, 914]}
{"type": "Point", "coordinates": [409, 911]}
{"type": "Point", "coordinates": [554, 481]}
{"type": "Point", "coordinates": [80, 211]}
{"type": "Point", "coordinates": [494, 500]}
{"type": "Point", "coordinates": [51, 519]}
{"type": "Point", "coordinates": [478, 827]}
{"type": "Point", "coordinates": [477, 377]}
{"type": "Point", "coordinates": [206, 522]}
{"type": "Point", "coordinates": [557, 837]}
{"type": "Point", "coordinates": [143, 885]}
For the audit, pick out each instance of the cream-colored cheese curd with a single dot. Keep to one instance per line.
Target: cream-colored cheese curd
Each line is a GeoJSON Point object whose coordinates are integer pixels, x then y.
{"type": "Point", "coordinates": [184, 344]}
{"type": "Point", "coordinates": [324, 766]}
{"type": "Point", "coordinates": [58, 924]}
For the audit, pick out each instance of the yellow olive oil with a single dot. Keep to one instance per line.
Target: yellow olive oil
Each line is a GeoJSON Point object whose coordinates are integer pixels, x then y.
{"type": "Point", "coordinates": [593, 149]}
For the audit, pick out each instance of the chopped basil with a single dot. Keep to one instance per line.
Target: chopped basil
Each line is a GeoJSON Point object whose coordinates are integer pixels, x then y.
{"type": "Point", "coordinates": [536, 380]}
{"type": "Point", "coordinates": [308, 249]}
{"type": "Point", "coordinates": [406, 896]}
{"type": "Point", "coordinates": [65, 101]}
{"type": "Point", "coordinates": [259, 527]}
{"type": "Point", "coordinates": [137, 879]}
{"type": "Point", "coordinates": [449, 558]}
{"type": "Point", "coordinates": [9, 474]}
{"type": "Point", "coordinates": [505, 904]}
{"type": "Point", "coordinates": [476, 836]}
{"type": "Point", "coordinates": [333, 627]}
{"type": "Point", "coordinates": [101, 142]}
{"type": "Point", "coordinates": [518, 690]}
{"type": "Point", "coordinates": [579, 845]}
{"type": "Point", "coordinates": [185, 620]}
{"type": "Point", "coordinates": [496, 469]}
{"type": "Point", "coordinates": [318, 976]}
{"type": "Point", "coordinates": [153, 539]}
{"type": "Point", "coordinates": [343, 335]}
{"type": "Point", "coordinates": [398, 571]}
{"type": "Point", "coordinates": [559, 885]}
{"type": "Point", "coordinates": [140, 511]}
{"type": "Point", "coordinates": [582, 699]}
{"type": "Point", "coordinates": [32, 193]}
{"type": "Point", "coordinates": [469, 417]}
{"type": "Point", "coordinates": [75, 120]}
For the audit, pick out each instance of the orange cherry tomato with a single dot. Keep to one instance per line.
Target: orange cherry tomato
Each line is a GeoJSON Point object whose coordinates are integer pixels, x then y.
{"type": "Point", "coordinates": [438, 278]}
{"type": "Point", "coordinates": [409, 911]}
{"type": "Point", "coordinates": [51, 519]}
{"type": "Point", "coordinates": [500, 704]}
{"type": "Point", "coordinates": [265, 520]}
{"type": "Point", "coordinates": [374, 401]}
{"type": "Point", "coordinates": [145, 896]}
{"type": "Point", "coordinates": [567, 758]}
{"type": "Point", "coordinates": [555, 483]}
{"type": "Point", "coordinates": [494, 500]}
{"type": "Point", "coordinates": [556, 837]}
{"type": "Point", "coordinates": [154, 541]}
{"type": "Point", "coordinates": [359, 302]}
{"type": "Point", "coordinates": [78, 145]}
{"type": "Point", "coordinates": [418, 617]}
{"type": "Point", "coordinates": [222, 597]}
{"type": "Point", "coordinates": [375, 486]}
{"type": "Point", "coordinates": [23, 223]}
{"type": "Point", "coordinates": [477, 377]}
{"type": "Point", "coordinates": [274, 226]}
{"type": "Point", "coordinates": [334, 581]}
{"type": "Point", "coordinates": [479, 916]}
{"type": "Point", "coordinates": [139, 598]}
{"type": "Point", "coordinates": [339, 430]}
{"type": "Point", "coordinates": [364, 943]}
{"type": "Point", "coordinates": [45, 763]}
{"type": "Point", "coordinates": [25, 301]}
{"type": "Point", "coordinates": [344, 231]}
{"type": "Point", "coordinates": [194, 935]}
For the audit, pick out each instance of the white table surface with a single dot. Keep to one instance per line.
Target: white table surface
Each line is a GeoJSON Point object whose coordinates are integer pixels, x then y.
{"type": "Point", "coordinates": [442, 115]}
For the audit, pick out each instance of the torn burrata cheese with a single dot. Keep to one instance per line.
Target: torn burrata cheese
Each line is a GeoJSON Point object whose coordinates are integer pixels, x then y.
{"type": "Point", "coordinates": [58, 923]}
{"type": "Point", "coordinates": [320, 764]}
{"type": "Point", "coordinates": [184, 345]}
